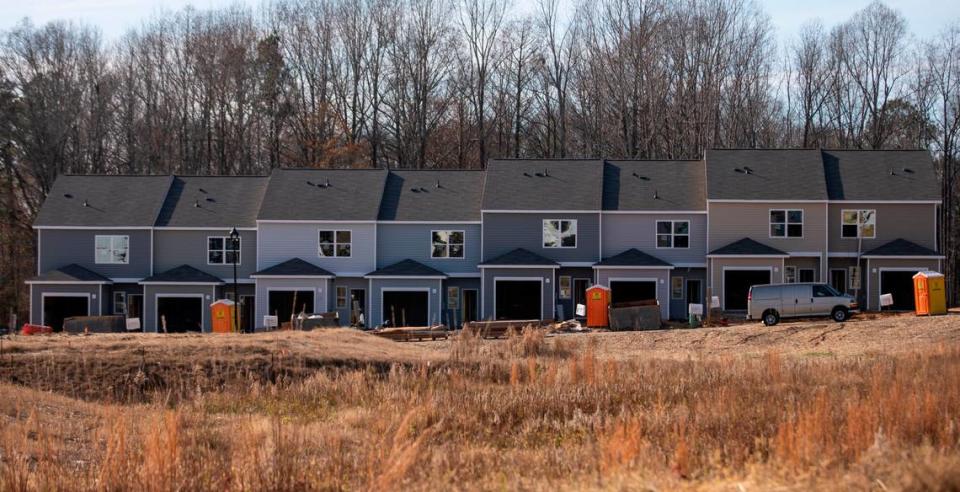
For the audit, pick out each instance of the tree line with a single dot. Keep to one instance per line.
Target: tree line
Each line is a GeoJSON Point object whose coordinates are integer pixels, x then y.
{"type": "Point", "coordinates": [452, 83]}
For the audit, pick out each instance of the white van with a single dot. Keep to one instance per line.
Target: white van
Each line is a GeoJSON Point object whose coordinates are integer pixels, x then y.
{"type": "Point", "coordinates": [771, 302]}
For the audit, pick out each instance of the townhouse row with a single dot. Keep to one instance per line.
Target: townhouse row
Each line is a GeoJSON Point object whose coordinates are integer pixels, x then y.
{"type": "Point", "coordinates": [522, 239]}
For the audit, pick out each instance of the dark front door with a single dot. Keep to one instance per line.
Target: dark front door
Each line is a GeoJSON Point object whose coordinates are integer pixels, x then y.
{"type": "Point", "coordinates": [135, 306]}
{"type": "Point", "coordinates": [900, 285]}
{"type": "Point", "coordinates": [358, 303]}
{"type": "Point", "coordinates": [736, 285]}
{"type": "Point", "coordinates": [58, 308]}
{"type": "Point", "coordinates": [694, 292]}
{"type": "Point", "coordinates": [580, 293]}
{"type": "Point", "coordinates": [470, 304]}
{"type": "Point", "coordinates": [406, 308]}
{"type": "Point", "coordinates": [179, 314]}
{"type": "Point", "coordinates": [838, 280]}
{"type": "Point", "coordinates": [247, 307]}
{"type": "Point", "coordinates": [518, 300]}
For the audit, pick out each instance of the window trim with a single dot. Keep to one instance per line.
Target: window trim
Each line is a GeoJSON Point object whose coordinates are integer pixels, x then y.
{"type": "Point", "coordinates": [793, 269]}
{"type": "Point", "coordinates": [786, 223]}
{"type": "Point", "coordinates": [858, 210]}
{"type": "Point", "coordinates": [225, 239]}
{"type": "Point", "coordinates": [335, 243]}
{"type": "Point", "coordinates": [112, 238]}
{"type": "Point", "coordinates": [560, 287]}
{"type": "Point", "coordinates": [123, 302]}
{"type": "Point", "coordinates": [543, 238]}
{"type": "Point", "coordinates": [463, 245]}
{"type": "Point", "coordinates": [673, 235]}
{"type": "Point", "coordinates": [346, 296]}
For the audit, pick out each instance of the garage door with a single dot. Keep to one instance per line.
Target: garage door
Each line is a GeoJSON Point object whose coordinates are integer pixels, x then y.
{"type": "Point", "coordinates": [283, 303]}
{"type": "Point", "coordinates": [623, 291]}
{"type": "Point", "coordinates": [736, 285]}
{"type": "Point", "coordinates": [406, 308]}
{"type": "Point", "coordinates": [900, 285]}
{"type": "Point", "coordinates": [58, 308]}
{"type": "Point", "coordinates": [181, 314]}
{"type": "Point", "coordinates": [518, 299]}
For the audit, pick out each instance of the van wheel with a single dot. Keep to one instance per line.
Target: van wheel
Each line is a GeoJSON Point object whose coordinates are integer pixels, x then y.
{"type": "Point", "coordinates": [771, 317]}
{"type": "Point", "coordinates": [840, 314]}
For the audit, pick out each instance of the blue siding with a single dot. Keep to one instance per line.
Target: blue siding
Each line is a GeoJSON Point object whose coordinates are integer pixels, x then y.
{"type": "Point", "coordinates": [175, 248]}
{"type": "Point", "coordinates": [319, 286]}
{"type": "Point", "coordinates": [433, 286]}
{"type": "Point", "coordinates": [151, 321]}
{"type": "Point", "coordinates": [624, 231]}
{"type": "Point", "coordinates": [61, 247]}
{"type": "Point", "coordinates": [488, 296]}
{"type": "Point", "coordinates": [279, 242]}
{"type": "Point", "coordinates": [660, 276]}
{"type": "Point", "coordinates": [398, 242]}
{"type": "Point", "coordinates": [503, 232]}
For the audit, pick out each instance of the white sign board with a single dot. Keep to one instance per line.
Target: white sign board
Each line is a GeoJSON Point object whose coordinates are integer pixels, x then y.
{"type": "Point", "coordinates": [581, 310]}
{"type": "Point", "coordinates": [270, 321]}
{"type": "Point", "coordinates": [714, 302]}
{"type": "Point", "coordinates": [886, 300]}
{"type": "Point", "coordinates": [696, 309]}
{"type": "Point", "coordinates": [133, 324]}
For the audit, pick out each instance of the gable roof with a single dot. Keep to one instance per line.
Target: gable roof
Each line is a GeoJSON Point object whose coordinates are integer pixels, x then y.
{"type": "Point", "coordinates": [406, 268]}
{"type": "Point", "coordinates": [748, 247]}
{"type": "Point", "coordinates": [70, 273]}
{"type": "Point", "coordinates": [881, 175]}
{"type": "Point", "coordinates": [654, 185]}
{"type": "Point", "coordinates": [303, 194]}
{"type": "Point", "coordinates": [633, 258]}
{"type": "Point", "coordinates": [901, 247]}
{"type": "Point", "coordinates": [212, 201]}
{"type": "Point", "coordinates": [103, 201]}
{"type": "Point", "coordinates": [294, 267]}
{"type": "Point", "coordinates": [434, 196]}
{"type": "Point", "coordinates": [520, 257]}
{"type": "Point", "coordinates": [520, 184]}
{"type": "Point", "coordinates": [183, 274]}
{"type": "Point", "coordinates": [762, 174]}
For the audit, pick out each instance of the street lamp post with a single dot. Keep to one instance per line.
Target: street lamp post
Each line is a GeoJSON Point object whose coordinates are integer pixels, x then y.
{"type": "Point", "coordinates": [234, 243]}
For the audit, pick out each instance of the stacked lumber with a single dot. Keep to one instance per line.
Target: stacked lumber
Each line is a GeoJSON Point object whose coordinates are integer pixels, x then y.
{"type": "Point", "coordinates": [407, 334]}
{"type": "Point", "coordinates": [498, 329]}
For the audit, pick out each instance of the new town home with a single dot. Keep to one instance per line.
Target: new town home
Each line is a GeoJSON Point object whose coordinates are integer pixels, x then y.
{"type": "Point", "coordinates": [521, 240]}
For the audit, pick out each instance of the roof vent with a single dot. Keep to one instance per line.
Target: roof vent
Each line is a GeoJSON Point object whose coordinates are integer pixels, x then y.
{"type": "Point", "coordinates": [85, 204]}
{"type": "Point", "coordinates": [893, 173]}
{"type": "Point", "coordinates": [196, 203]}
{"type": "Point", "coordinates": [203, 191]}
{"type": "Point", "coordinates": [747, 170]}
{"type": "Point", "coordinates": [527, 174]}
{"type": "Point", "coordinates": [438, 183]}
{"type": "Point", "coordinates": [210, 199]}
{"type": "Point", "coordinates": [415, 190]}
{"type": "Point", "coordinates": [67, 195]}
{"type": "Point", "coordinates": [656, 195]}
{"type": "Point", "coordinates": [908, 170]}
{"type": "Point", "coordinates": [738, 170]}
{"type": "Point", "coordinates": [310, 183]}
{"type": "Point", "coordinates": [423, 190]}
{"type": "Point", "coordinates": [545, 173]}
{"type": "Point", "coordinates": [327, 183]}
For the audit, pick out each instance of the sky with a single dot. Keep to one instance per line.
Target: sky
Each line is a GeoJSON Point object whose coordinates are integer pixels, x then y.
{"type": "Point", "coordinates": [925, 18]}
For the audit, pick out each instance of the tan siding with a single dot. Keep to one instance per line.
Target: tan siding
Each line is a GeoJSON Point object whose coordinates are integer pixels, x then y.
{"type": "Point", "coordinates": [876, 266]}
{"type": "Point", "coordinates": [731, 222]}
{"type": "Point", "coordinates": [914, 222]}
{"type": "Point", "coordinates": [715, 273]}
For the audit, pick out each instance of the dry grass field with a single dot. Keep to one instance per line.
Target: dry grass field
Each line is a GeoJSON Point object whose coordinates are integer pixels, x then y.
{"type": "Point", "coordinates": [873, 404]}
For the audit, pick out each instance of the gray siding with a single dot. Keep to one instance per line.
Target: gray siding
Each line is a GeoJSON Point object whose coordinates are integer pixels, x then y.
{"type": "Point", "coordinates": [717, 265]}
{"type": "Point", "coordinates": [319, 286]}
{"type": "Point", "coordinates": [279, 242]}
{"type": "Point", "coordinates": [662, 277]}
{"type": "Point", "coordinates": [569, 310]}
{"type": "Point", "coordinates": [61, 247]}
{"type": "Point", "coordinates": [453, 317]}
{"type": "Point", "coordinates": [175, 248]}
{"type": "Point", "coordinates": [433, 286]}
{"type": "Point", "coordinates": [503, 232]}
{"type": "Point", "coordinates": [97, 294]}
{"type": "Point", "coordinates": [151, 322]}
{"type": "Point", "coordinates": [488, 295]}
{"type": "Point", "coordinates": [624, 231]}
{"type": "Point", "coordinates": [398, 242]}
{"type": "Point", "coordinates": [914, 222]}
{"type": "Point", "coordinates": [679, 307]}
{"type": "Point", "coordinates": [731, 222]}
{"type": "Point", "coordinates": [344, 312]}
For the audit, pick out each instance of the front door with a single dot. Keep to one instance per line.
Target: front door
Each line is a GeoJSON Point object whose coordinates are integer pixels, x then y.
{"type": "Point", "coordinates": [838, 280]}
{"type": "Point", "coordinates": [135, 307]}
{"type": "Point", "coordinates": [694, 291]}
{"type": "Point", "coordinates": [358, 302]}
{"type": "Point", "coordinates": [247, 305]}
{"type": "Point", "coordinates": [470, 305]}
{"type": "Point", "coordinates": [580, 286]}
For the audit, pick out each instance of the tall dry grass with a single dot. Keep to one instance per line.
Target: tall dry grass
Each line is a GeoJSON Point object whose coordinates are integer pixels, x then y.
{"type": "Point", "coordinates": [518, 413]}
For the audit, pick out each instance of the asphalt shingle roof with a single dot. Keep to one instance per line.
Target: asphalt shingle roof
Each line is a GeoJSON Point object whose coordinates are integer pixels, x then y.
{"type": "Point", "coordinates": [633, 257]}
{"type": "Point", "coordinates": [520, 256]}
{"type": "Point", "coordinates": [406, 268]}
{"type": "Point", "coordinates": [654, 185]}
{"type": "Point", "coordinates": [213, 201]}
{"type": "Point", "coordinates": [901, 247]}
{"type": "Point", "coordinates": [416, 196]}
{"type": "Point", "coordinates": [747, 247]}
{"type": "Point", "coordinates": [294, 267]}
{"type": "Point", "coordinates": [881, 175]}
{"type": "Point", "coordinates": [183, 274]}
{"type": "Point", "coordinates": [759, 174]}
{"type": "Point", "coordinates": [71, 273]}
{"type": "Point", "coordinates": [304, 194]}
{"type": "Point", "coordinates": [111, 201]}
{"type": "Point", "coordinates": [574, 184]}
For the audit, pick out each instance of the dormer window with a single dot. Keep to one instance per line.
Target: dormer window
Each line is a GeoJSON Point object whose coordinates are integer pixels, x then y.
{"type": "Point", "coordinates": [559, 233]}
{"type": "Point", "coordinates": [112, 250]}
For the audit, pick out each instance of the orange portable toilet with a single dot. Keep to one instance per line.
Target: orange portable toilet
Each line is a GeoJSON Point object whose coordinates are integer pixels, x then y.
{"type": "Point", "coordinates": [222, 314]}
{"type": "Point", "coordinates": [598, 301]}
{"type": "Point", "coordinates": [929, 293]}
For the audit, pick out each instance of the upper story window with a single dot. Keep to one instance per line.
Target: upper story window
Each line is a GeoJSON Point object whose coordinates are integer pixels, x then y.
{"type": "Point", "coordinates": [335, 244]}
{"type": "Point", "coordinates": [112, 250]}
{"type": "Point", "coordinates": [559, 233]}
{"type": "Point", "coordinates": [786, 223]}
{"type": "Point", "coordinates": [221, 250]}
{"type": "Point", "coordinates": [859, 223]}
{"type": "Point", "coordinates": [446, 244]}
{"type": "Point", "coordinates": [673, 234]}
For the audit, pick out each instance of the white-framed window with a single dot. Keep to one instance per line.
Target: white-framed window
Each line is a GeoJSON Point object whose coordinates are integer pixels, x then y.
{"type": "Point", "coordinates": [786, 223]}
{"type": "Point", "coordinates": [221, 250]}
{"type": "Point", "coordinates": [453, 298]}
{"type": "Point", "coordinates": [565, 285]}
{"type": "Point", "coordinates": [855, 223]}
{"type": "Point", "coordinates": [120, 303]}
{"type": "Point", "coordinates": [112, 250]}
{"type": "Point", "coordinates": [446, 244]}
{"type": "Point", "coordinates": [335, 243]}
{"type": "Point", "coordinates": [559, 233]}
{"type": "Point", "coordinates": [673, 234]}
{"type": "Point", "coordinates": [789, 274]}
{"type": "Point", "coordinates": [341, 297]}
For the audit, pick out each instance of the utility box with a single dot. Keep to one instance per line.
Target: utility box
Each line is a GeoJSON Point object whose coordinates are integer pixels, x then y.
{"type": "Point", "coordinates": [598, 305]}
{"type": "Point", "coordinates": [929, 293]}
{"type": "Point", "coordinates": [223, 314]}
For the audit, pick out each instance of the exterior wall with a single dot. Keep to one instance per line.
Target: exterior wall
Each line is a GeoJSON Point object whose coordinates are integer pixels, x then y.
{"type": "Point", "coordinates": [717, 265]}
{"type": "Point", "coordinates": [454, 317]}
{"type": "Point", "coordinates": [678, 307]}
{"type": "Point", "coordinates": [661, 275]}
{"type": "Point", "coordinates": [377, 285]}
{"type": "Point", "coordinates": [807, 263]}
{"type": "Point", "coordinates": [398, 242]}
{"type": "Point", "coordinates": [61, 247]}
{"type": "Point", "coordinates": [129, 289]}
{"type": "Point", "coordinates": [349, 283]}
{"type": "Point", "coordinates": [569, 309]}
{"type": "Point", "coordinates": [731, 222]}
{"type": "Point", "coordinates": [503, 232]}
{"type": "Point", "coordinates": [151, 323]}
{"type": "Point", "coordinates": [914, 222]}
{"type": "Point", "coordinates": [174, 248]}
{"type": "Point", "coordinates": [488, 294]}
{"type": "Point", "coordinates": [875, 267]}
{"type": "Point", "coordinates": [97, 293]}
{"type": "Point", "coordinates": [624, 231]}
{"type": "Point", "coordinates": [319, 286]}
{"type": "Point", "coordinates": [279, 242]}
{"type": "Point", "coordinates": [845, 264]}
